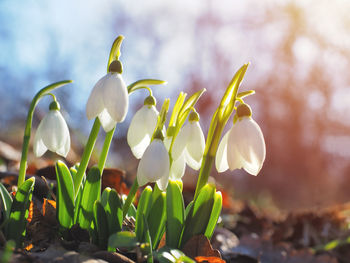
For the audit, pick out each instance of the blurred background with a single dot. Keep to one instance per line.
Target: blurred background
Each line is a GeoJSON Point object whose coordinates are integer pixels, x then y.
{"type": "Point", "coordinates": [299, 53]}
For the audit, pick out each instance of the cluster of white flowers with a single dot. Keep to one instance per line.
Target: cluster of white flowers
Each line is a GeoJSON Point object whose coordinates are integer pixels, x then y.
{"type": "Point", "coordinates": [243, 146]}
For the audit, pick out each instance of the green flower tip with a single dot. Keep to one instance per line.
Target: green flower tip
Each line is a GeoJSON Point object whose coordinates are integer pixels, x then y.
{"type": "Point", "coordinates": [54, 106]}
{"type": "Point", "coordinates": [243, 110]}
{"type": "Point", "coordinates": [194, 116]}
{"type": "Point", "coordinates": [150, 101]}
{"type": "Point", "coordinates": [116, 67]}
{"type": "Point", "coordinates": [158, 135]}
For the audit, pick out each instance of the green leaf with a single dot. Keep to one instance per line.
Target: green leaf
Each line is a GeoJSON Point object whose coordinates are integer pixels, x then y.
{"type": "Point", "coordinates": [157, 217]}
{"type": "Point", "coordinates": [5, 201]}
{"type": "Point", "coordinates": [198, 217]}
{"type": "Point", "coordinates": [65, 195]}
{"type": "Point", "coordinates": [113, 208]}
{"type": "Point", "coordinates": [114, 54]}
{"type": "Point", "coordinates": [143, 209]}
{"type": "Point", "coordinates": [101, 225]}
{"type": "Point", "coordinates": [228, 100]}
{"type": "Point", "coordinates": [16, 226]}
{"type": "Point", "coordinates": [79, 196]}
{"type": "Point", "coordinates": [162, 116]}
{"type": "Point", "coordinates": [187, 106]}
{"type": "Point", "coordinates": [148, 240]}
{"type": "Point", "coordinates": [140, 84]}
{"type": "Point", "coordinates": [175, 214]}
{"type": "Point", "coordinates": [91, 193]}
{"type": "Point", "coordinates": [244, 94]}
{"type": "Point", "coordinates": [215, 213]}
{"type": "Point", "coordinates": [178, 104]}
{"type": "Point", "coordinates": [123, 239]}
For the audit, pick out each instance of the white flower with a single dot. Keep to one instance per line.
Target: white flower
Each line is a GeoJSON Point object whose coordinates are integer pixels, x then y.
{"type": "Point", "coordinates": [52, 134]}
{"type": "Point", "coordinates": [141, 129]}
{"type": "Point", "coordinates": [191, 142]}
{"type": "Point", "coordinates": [154, 165]}
{"type": "Point", "coordinates": [108, 101]}
{"type": "Point", "coordinates": [243, 146]}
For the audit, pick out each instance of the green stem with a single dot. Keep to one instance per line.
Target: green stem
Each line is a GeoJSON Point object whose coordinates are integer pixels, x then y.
{"type": "Point", "coordinates": [105, 149]}
{"type": "Point", "coordinates": [86, 155]}
{"type": "Point", "coordinates": [204, 173]}
{"type": "Point", "coordinates": [130, 197]}
{"type": "Point", "coordinates": [27, 131]}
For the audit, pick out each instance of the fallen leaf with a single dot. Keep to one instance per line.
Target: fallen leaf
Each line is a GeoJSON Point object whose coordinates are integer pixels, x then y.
{"type": "Point", "coordinates": [199, 246]}
{"type": "Point", "coordinates": [209, 260]}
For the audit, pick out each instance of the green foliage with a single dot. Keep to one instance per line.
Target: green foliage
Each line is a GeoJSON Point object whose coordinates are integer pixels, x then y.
{"type": "Point", "coordinates": [65, 196]}
{"type": "Point", "coordinates": [198, 217]}
{"type": "Point", "coordinates": [16, 226]}
{"type": "Point", "coordinates": [175, 214]}
{"type": "Point", "coordinates": [91, 193]}
{"type": "Point", "coordinates": [5, 202]}
{"type": "Point", "coordinates": [123, 239]}
{"type": "Point", "coordinates": [143, 210]}
{"type": "Point", "coordinates": [215, 213]}
{"type": "Point", "coordinates": [157, 217]}
{"type": "Point", "coordinates": [100, 225]}
{"type": "Point", "coordinates": [113, 208]}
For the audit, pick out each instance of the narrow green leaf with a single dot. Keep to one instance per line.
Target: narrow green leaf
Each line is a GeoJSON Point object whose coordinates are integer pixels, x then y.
{"type": "Point", "coordinates": [148, 240]}
{"type": "Point", "coordinates": [5, 201]}
{"type": "Point", "coordinates": [197, 220]}
{"type": "Point", "coordinates": [101, 225]}
{"type": "Point", "coordinates": [188, 209]}
{"type": "Point", "coordinates": [65, 195]}
{"type": "Point", "coordinates": [78, 198]}
{"type": "Point", "coordinates": [91, 193]}
{"type": "Point", "coordinates": [144, 82]}
{"type": "Point", "coordinates": [175, 214]}
{"type": "Point", "coordinates": [178, 104]}
{"type": "Point", "coordinates": [244, 94]}
{"type": "Point", "coordinates": [16, 226]}
{"type": "Point", "coordinates": [157, 217]}
{"type": "Point", "coordinates": [142, 210]}
{"type": "Point", "coordinates": [215, 213]}
{"type": "Point", "coordinates": [113, 208]}
{"type": "Point", "coordinates": [123, 239]}
{"type": "Point", "coordinates": [162, 116]}
{"type": "Point", "coordinates": [186, 107]}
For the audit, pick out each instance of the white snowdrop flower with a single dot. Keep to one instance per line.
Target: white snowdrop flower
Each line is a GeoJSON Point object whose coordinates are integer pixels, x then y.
{"type": "Point", "coordinates": [243, 146]}
{"type": "Point", "coordinates": [154, 165]}
{"type": "Point", "coordinates": [109, 100]}
{"type": "Point", "coordinates": [142, 127]}
{"type": "Point", "coordinates": [52, 133]}
{"type": "Point", "coordinates": [191, 142]}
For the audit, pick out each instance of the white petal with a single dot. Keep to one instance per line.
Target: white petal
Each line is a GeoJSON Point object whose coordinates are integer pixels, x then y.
{"type": "Point", "coordinates": [106, 121]}
{"type": "Point", "coordinates": [180, 142]}
{"type": "Point", "coordinates": [163, 182]}
{"type": "Point", "coordinates": [141, 129]}
{"type": "Point", "coordinates": [177, 169]}
{"type": "Point", "coordinates": [115, 97]}
{"type": "Point", "coordinates": [234, 158]}
{"type": "Point", "coordinates": [38, 146]}
{"type": "Point", "coordinates": [141, 178]}
{"type": "Point", "coordinates": [167, 142]}
{"type": "Point", "coordinates": [194, 164]}
{"type": "Point", "coordinates": [63, 151]}
{"type": "Point", "coordinates": [221, 154]}
{"type": "Point", "coordinates": [54, 131]}
{"type": "Point", "coordinates": [95, 104]}
{"type": "Point", "coordinates": [250, 144]}
{"type": "Point", "coordinates": [139, 149]}
{"type": "Point", "coordinates": [154, 163]}
{"type": "Point", "coordinates": [195, 142]}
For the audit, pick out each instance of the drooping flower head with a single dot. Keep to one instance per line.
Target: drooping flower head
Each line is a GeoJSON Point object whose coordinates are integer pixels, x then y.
{"type": "Point", "coordinates": [52, 133]}
{"type": "Point", "coordinates": [190, 142]}
{"type": "Point", "coordinates": [142, 127]}
{"type": "Point", "coordinates": [243, 146]}
{"type": "Point", "coordinates": [154, 164]}
{"type": "Point", "coordinates": [109, 98]}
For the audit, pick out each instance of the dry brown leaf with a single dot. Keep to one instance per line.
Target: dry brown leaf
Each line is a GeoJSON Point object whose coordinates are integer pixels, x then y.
{"type": "Point", "coordinates": [199, 246]}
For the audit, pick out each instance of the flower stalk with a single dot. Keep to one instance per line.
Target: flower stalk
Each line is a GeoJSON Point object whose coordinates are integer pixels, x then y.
{"type": "Point", "coordinates": [28, 128]}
